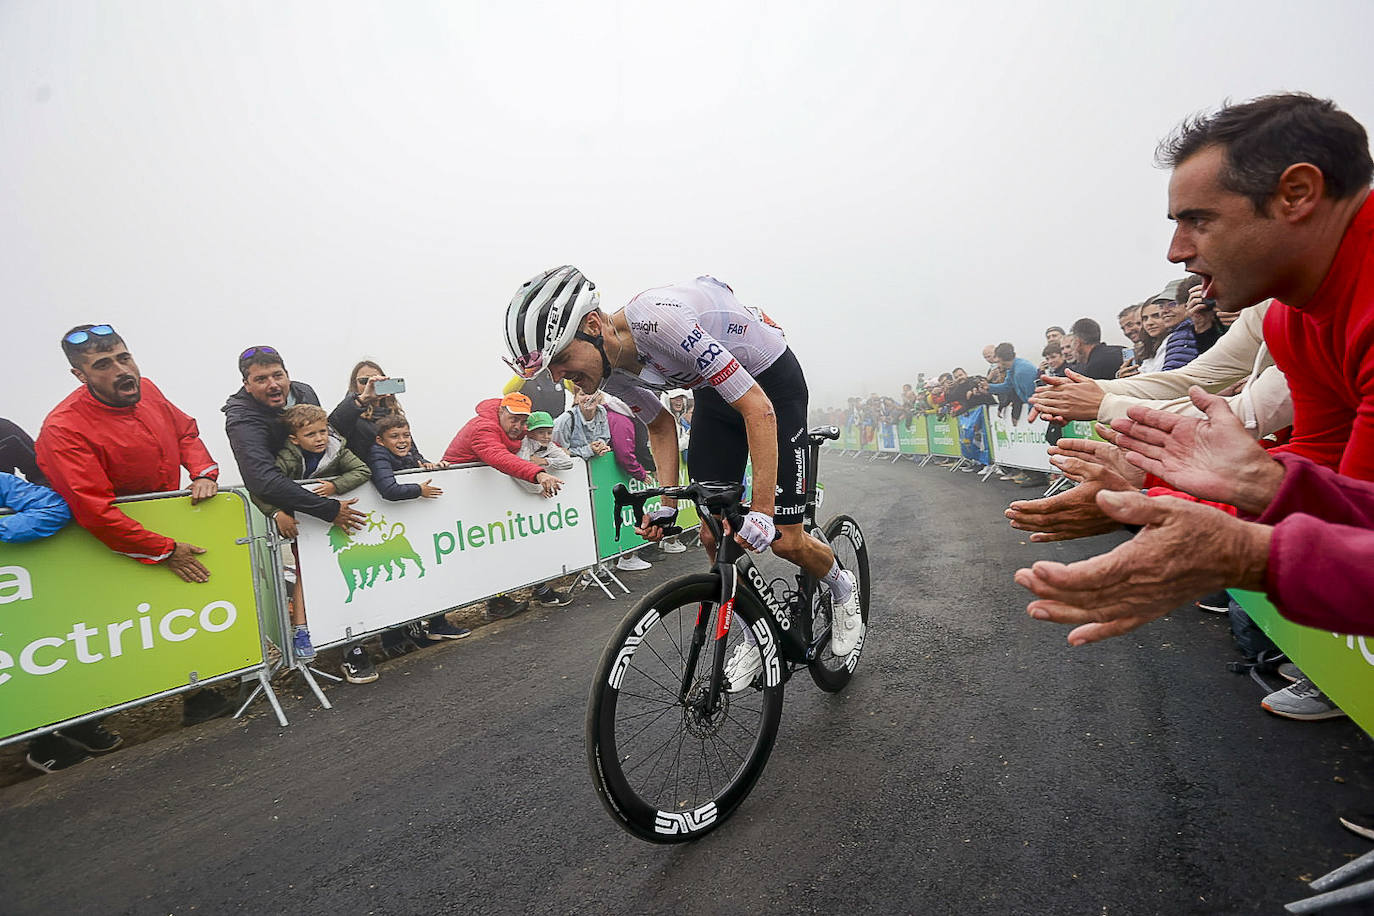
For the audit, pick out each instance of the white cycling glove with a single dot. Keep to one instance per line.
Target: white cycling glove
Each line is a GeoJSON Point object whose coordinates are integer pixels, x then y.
{"type": "Point", "coordinates": [758, 531]}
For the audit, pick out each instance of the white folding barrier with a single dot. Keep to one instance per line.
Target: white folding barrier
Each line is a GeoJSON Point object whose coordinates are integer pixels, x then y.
{"type": "Point", "coordinates": [418, 557]}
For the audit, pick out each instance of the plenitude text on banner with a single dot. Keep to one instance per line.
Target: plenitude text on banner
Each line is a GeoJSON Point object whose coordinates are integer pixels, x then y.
{"type": "Point", "coordinates": [605, 475]}
{"type": "Point", "coordinates": [1341, 666]}
{"type": "Point", "coordinates": [84, 629]}
{"type": "Point", "coordinates": [418, 557]}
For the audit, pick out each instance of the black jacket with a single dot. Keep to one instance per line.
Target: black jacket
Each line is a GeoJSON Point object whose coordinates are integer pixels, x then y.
{"type": "Point", "coordinates": [256, 434]}
{"type": "Point", "coordinates": [1102, 363]}
{"type": "Point", "coordinates": [16, 453]}
{"type": "Point", "coordinates": [384, 467]}
{"type": "Point", "coordinates": [359, 433]}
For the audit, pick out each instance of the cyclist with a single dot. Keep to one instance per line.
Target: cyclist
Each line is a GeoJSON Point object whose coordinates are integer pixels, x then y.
{"type": "Point", "coordinates": [750, 404]}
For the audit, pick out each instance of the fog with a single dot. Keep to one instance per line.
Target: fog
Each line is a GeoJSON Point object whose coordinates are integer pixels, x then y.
{"type": "Point", "coordinates": [896, 184]}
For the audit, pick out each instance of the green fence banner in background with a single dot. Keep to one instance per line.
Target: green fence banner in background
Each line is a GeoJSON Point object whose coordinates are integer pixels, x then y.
{"type": "Point", "coordinates": [944, 435]}
{"type": "Point", "coordinates": [1342, 666]}
{"type": "Point", "coordinates": [83, 628]}
{"type": "Point", "coordinates": [849, 439]}
{"type": "Point", "coordinates": [912, 438]}
{"type": "Point", "coordinates": [605, 474]}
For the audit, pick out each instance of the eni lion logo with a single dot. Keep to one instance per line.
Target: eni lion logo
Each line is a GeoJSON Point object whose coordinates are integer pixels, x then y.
{"type": "Point", "coordinates": [362, 563]}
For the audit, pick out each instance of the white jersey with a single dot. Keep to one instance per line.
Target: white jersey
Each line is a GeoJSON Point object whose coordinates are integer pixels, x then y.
{"type": "Point", "coordinates": [690, 335]}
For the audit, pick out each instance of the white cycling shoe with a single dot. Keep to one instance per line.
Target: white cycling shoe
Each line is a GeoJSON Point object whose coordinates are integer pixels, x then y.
{"type": "Point", "coordinates": [847, 629]}
{"type": "Point", "coordinates": [742, 667]}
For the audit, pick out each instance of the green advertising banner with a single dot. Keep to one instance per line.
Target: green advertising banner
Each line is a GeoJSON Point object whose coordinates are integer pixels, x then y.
{"type": "Point", "coordinates": [849, 438]}
{"type": "Point", "coordinates": [912, 438]}
{"type": "Point", "coordinates": [943, 436]}
{"type": "Point", "coordinates": [1342, 666]}
{"type": "Point", "coordinates": [83, 629]}
{"type": "Point", "coordinates": [872, 444]}
{"type": "Point", "coordinates": [605, 474]}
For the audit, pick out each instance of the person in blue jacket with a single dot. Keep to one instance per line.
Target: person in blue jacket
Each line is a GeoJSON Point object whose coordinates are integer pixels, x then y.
{"type": "Point", "coordinates": [1020, 382]}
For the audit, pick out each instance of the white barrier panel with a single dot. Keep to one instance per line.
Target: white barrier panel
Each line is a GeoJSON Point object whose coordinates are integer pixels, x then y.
{"type": "Point", "coordinates": [418, 557]}
{"type": "Point", "coordinates": [1019, 445]}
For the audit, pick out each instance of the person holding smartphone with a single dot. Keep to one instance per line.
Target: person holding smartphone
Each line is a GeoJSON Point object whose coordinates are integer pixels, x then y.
{"type": "Point", "coordinates": [357, 414]}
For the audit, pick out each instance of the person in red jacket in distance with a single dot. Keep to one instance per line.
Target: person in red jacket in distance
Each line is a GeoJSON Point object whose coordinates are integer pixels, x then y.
{"type": "Point", "coordinates": [492, 438]}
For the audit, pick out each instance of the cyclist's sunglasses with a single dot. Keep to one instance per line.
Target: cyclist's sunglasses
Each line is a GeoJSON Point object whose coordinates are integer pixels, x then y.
{"type": "Point", "coordinates": [254, 351]}
{"type": "Point", "coordinates": [76, 338]}
{"type": "Point", "coordinates": [526, 366]}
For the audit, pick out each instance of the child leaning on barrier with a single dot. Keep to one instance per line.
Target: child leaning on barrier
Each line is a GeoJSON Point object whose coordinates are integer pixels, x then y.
{"type": "Point", "coordinates": [311, 452]}
{"type": "Point", "coordinates": [394, 450]}
{"type": "Point", "coordinates": [539, 448]}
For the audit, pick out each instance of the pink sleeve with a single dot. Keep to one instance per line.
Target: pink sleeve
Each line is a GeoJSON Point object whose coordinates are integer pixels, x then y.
{"type": "Point", "coordinates": [623, 444]}
{"type": "Point", "coordinates": [1318, 491]}
{"type": "Point", "coordinates": [1320, 575]}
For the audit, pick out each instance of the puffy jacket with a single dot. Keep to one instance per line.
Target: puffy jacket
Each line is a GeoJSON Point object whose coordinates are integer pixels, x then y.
{"type": "Point", "coordinates": [38, 511]}
{"type": "Point", "coordinates": [16, 453]}
{"type": "Point", "coordinates": [384, 466]}
{"type": "Point", "coordinates": [338, 465]}
{"type": "Point", "coordinates": [93, 452]}
{"type": "Point", "coordinates": [482, 439]}
{"type": "Point", "coordinates": [256, 434]}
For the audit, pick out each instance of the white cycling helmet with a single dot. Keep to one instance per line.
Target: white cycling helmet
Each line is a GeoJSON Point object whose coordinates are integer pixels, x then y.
{"type": "Point", "coordinates": [545, 315]}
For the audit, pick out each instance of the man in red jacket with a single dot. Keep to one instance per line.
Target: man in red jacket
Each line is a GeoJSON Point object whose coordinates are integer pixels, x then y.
{"type": "Point", "coordinates": [118, 436]}
{"type": "Point", "coordinates": [492, 438]}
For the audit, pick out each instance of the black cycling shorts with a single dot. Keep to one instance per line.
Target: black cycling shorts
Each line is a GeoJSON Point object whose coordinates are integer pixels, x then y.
{"type": "Point", "coordinates": [719, 445]}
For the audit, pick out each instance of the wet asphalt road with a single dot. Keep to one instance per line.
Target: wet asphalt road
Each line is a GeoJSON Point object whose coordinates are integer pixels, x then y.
{"type": "Point", "coordinates": [976, 764]}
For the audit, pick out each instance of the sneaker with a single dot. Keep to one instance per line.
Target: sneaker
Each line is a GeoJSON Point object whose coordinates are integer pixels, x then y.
{"type": "Point", "coordinates": [1217, 603]}
{"type": "Point", "coordinates": [672, 545]}
{"type": "Point", "coordinates": [504, 606]}
{"type": "Point", "coordinates": [1290, 672]}
{"type": "Point", "coordinates": [50, 753]}
{"type": "Point", "coordinates": [358, 667]}
{"type": "Point", "coordinates": [301, 647]}
{"type": "Point", "coordinates": [742, 666]}
{"type": "Point", "coordinates": [632, 562]}
{"type": "Point", "coordinates": [847, 629]}
{"type": "Point", "coordinates": [204, 705]}
{"type": "Point", "coordinates": [440, 628]}
{"type": "Point", "coordinates": [550, 597]}
{"type": "Point", "coordinates": [1302, 701]}
{"type": "Point", "coordinates": [91, 737]}
{"type": "Point", "coordinates": [968, 469]}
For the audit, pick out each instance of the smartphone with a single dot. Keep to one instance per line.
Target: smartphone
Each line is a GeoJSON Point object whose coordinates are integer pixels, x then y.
{"type": "Point", "coordinates": [389, 386]}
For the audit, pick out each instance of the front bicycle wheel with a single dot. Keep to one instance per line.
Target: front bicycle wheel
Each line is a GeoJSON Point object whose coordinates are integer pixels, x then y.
{"type": "Point", "coordinates": [667, 768]}
{"type": "Point", "coordinates": [830, 671]}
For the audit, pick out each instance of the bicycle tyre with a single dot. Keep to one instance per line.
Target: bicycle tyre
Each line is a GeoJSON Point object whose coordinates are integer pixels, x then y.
{"type": "Point", "coordinates": [846, 539]}
{"type": "Point", "coordinates": [657, 633]}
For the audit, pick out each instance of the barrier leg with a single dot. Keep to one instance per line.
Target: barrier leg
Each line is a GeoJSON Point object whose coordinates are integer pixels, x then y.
{"type": "Point", "coordinates": [1344, 873]}
{"type": "Point", "coordinates": [897, 457]}
{"type": "Point", "coordinates": [1362, 891]}
{"type": "Point", "coordinates": [990, 470]}
{"type": "Point", "coordinates": [264, 687]}
{"type": "Point", "coordinates": [308, 674]}
{"type": "Point", "coordinates": [605, 570]}
{"type": "Point", "coordinates": [588, 577]}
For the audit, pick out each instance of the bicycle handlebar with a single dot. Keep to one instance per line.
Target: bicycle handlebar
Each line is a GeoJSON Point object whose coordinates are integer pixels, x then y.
{"type": "Point", "coordinates": [714, 498]}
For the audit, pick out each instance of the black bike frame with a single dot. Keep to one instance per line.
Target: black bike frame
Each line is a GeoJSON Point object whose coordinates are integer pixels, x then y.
{"type": "Point", "coordinates": [790, 624]}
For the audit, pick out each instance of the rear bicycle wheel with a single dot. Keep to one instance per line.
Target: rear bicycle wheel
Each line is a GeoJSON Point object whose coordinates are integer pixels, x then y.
{"type": "Point", "coordinates": [669, 770]}
{"type": "Point", "coordinates": [830, 671]}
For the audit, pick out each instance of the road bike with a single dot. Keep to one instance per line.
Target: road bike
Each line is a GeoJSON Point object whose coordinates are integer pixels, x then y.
{"type": "Point", "coordinates": [673, 746]}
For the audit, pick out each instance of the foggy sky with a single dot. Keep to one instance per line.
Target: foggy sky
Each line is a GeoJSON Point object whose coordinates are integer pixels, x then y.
{"type": "Point", "coordinates": [896, 184]}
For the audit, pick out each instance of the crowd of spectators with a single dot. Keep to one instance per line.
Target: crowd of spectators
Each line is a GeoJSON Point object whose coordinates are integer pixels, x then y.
{"type": "Point", "coordinates": [118, 435]}
{"type": "Point", "coordinates": [1238, 410]}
